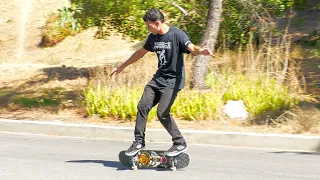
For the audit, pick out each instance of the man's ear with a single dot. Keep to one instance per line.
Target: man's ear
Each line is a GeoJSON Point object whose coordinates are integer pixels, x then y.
{"type": "Point", "coordinates": [158, 23]}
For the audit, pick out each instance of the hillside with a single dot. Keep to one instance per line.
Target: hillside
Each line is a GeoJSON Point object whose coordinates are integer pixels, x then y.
{"type": "Point", "coordinates": [63, 70]}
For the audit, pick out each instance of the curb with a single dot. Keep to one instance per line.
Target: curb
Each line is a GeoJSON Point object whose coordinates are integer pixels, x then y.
{"type": "Point", "coordinates": [254, 140]}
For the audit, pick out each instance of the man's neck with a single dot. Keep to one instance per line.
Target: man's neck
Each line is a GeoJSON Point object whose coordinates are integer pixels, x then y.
{"type": "Point", "coordinates": [164, 29]}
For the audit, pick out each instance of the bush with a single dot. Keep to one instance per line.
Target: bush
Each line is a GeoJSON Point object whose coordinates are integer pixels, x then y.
{"type": "Point", "coordinates": [259, 93]}
{"type": "Point", "coordinates": [60, 25]}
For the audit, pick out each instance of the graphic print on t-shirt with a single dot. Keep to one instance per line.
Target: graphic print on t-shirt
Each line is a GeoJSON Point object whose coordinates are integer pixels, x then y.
{"type": "Point", "coordinates": [160, 48]}
{"type": "Point", "coordinates": [162, 57]}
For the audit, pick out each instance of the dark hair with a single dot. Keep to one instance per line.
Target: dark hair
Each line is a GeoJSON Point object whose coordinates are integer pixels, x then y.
{"type": "Point", "coordinates": [153, 15]}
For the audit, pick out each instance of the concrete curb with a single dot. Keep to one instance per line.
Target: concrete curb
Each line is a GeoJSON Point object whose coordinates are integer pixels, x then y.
{"type": "Point", "coordinates": [255, 140]}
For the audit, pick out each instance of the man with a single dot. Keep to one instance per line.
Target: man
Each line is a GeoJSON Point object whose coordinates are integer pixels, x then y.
{"type": "Point", "coordinates": [169, 43]}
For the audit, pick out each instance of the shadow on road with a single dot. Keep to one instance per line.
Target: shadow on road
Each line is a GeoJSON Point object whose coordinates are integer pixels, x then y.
{"type": "Point", "coordinates": [316, 152]}
{"type": "Point", "coordinates": [112, 164]}
{"type": "Point", "coordinates": [300, 153]}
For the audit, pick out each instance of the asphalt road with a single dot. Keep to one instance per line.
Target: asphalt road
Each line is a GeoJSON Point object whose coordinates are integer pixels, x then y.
{"type": "Point", "coordinates": [37, 157]}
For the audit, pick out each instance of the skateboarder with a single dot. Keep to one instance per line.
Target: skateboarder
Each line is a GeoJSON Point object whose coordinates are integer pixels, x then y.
{"type": "Point", "coordinates": [169, 43]}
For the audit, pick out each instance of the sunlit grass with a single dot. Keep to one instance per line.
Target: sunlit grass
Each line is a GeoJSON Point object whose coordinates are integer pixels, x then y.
{"type": "Point", "coordinates": [259, 94]}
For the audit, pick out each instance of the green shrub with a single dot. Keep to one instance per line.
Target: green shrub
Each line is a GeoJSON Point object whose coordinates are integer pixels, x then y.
{"type": "Point", "coordinates": [258, 94]}
{"type": "Point", "coordinates": [196, 105]}
{"type": "Point", "coordinates": [119, 103]}
{"type": "Point", "coordinates": [60, 25]}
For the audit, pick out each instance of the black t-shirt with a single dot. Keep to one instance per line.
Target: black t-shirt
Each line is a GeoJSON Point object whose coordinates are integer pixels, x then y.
{"type": "Point", "coordinates": [169, 49]}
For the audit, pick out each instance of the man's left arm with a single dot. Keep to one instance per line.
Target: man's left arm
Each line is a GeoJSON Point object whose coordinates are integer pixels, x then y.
{"type": "Point", "coordinates": [196, 50]}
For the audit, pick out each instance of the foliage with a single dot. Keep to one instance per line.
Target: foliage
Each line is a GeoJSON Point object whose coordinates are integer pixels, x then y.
{"type": "Point", "coordinates": [196, 105]}
{"type": "Point", "coordinates": [37, 102]}
{"type": "Point", "coordinates": [122, 103]}
{"type": "Point", "coordinates": [260, 89]}
{"type": "Point", "coordinates": [311, 41]}
{"type": "Point", "coordinates": [318, 6]}
{"type": "Point", "coordinates": [242, 22]}
{"type": "Point", "coordinates": [242, 17]}
{"type": "Point", "coordinates": [298, 22]}
{"type": "Point", "coordinates": [239, 17]}
{"type": "Point", "coordinates": [126, 16]}
{"type": "Point", "coordinates": [60, 25]}
{"type": "Point", "coordinates": [259, 93]}
{"type": "Point", "coordinates": [117, 103]}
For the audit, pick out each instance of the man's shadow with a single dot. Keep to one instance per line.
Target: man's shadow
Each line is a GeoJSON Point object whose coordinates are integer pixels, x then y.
{"type": "Point", "coordinates": [112, 164]}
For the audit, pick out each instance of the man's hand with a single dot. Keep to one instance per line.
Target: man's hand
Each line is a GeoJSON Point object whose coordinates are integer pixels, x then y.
{"type": "Point", "coordinates": [207, 52]}
{"type": "Point", "coordinates": [134, 57]}
{"type": "Point", "coordinates": [116, 71]}
{"type": "Point", "coordinates": [196, 50]}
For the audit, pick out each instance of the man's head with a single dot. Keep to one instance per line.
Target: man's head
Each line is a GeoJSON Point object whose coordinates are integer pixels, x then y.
{"type": "Point", "coordinates": [153, 19]}
{"type": "Point", "coordinates": [153, 15]}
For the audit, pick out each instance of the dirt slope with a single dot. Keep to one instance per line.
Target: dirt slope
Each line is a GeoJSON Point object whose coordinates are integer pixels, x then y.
{"type": "Point", "coordinates": [65, 67]}
{"type": "Point", "coordinates": [82, 49]}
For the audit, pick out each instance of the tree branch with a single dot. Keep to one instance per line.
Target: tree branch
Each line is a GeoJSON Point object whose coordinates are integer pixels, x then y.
{"type": "Point", "coordinates": [180, 8]}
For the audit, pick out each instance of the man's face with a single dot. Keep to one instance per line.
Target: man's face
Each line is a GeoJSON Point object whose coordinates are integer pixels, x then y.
{"type": "Point", "coordinates": [154, 27]}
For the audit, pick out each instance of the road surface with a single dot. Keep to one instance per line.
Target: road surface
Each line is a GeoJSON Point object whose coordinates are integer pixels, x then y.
{"type": "Point", "coordinates": [39, 157]}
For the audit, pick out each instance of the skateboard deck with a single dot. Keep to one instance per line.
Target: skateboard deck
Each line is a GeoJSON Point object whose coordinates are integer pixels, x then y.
{"type": "Point", "coordinates": [154, 159]}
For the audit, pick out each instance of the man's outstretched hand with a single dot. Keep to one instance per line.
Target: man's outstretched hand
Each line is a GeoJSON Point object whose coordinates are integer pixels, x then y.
{"type": "Point", "coordinates": [115, 71]}
{"type": "Point", "coordinates": [207, 52]}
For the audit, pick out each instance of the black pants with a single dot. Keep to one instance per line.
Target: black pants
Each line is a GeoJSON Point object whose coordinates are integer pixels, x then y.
{"type": "Point", "coordinates": [152, 95]}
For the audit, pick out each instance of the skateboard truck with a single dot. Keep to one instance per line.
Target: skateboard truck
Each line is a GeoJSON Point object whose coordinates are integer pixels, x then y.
{"type": "Point", "coordinates": [134, 161]}
{"type": "Point", "coordinates": [173, 161]}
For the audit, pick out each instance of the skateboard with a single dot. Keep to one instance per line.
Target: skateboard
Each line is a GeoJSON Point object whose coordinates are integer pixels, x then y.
{"type": "Point", "coordinates": [154, 159]}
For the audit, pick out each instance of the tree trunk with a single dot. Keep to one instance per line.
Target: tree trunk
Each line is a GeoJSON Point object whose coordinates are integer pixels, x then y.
{"type": "Point", "coordinates": [208, 40]}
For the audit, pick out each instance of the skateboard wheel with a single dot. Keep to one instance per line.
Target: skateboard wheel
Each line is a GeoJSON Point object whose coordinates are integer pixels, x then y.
{"type": "Point", "coordinates": [173, 169]}
{"type": "Point", "coordinates": [134, 168]}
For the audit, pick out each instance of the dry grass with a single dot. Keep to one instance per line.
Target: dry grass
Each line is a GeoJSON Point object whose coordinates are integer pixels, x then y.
{"type": "Point", "coordinates": [137, 71]}
{"type": "Point", "coordinates": [300, 120]}
{"type": "Point", "coordinates": [41, 71]}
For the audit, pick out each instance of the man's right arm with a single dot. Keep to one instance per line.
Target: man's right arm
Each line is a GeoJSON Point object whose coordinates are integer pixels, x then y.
{"type": "Point", "coordinates": [134, 57]}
